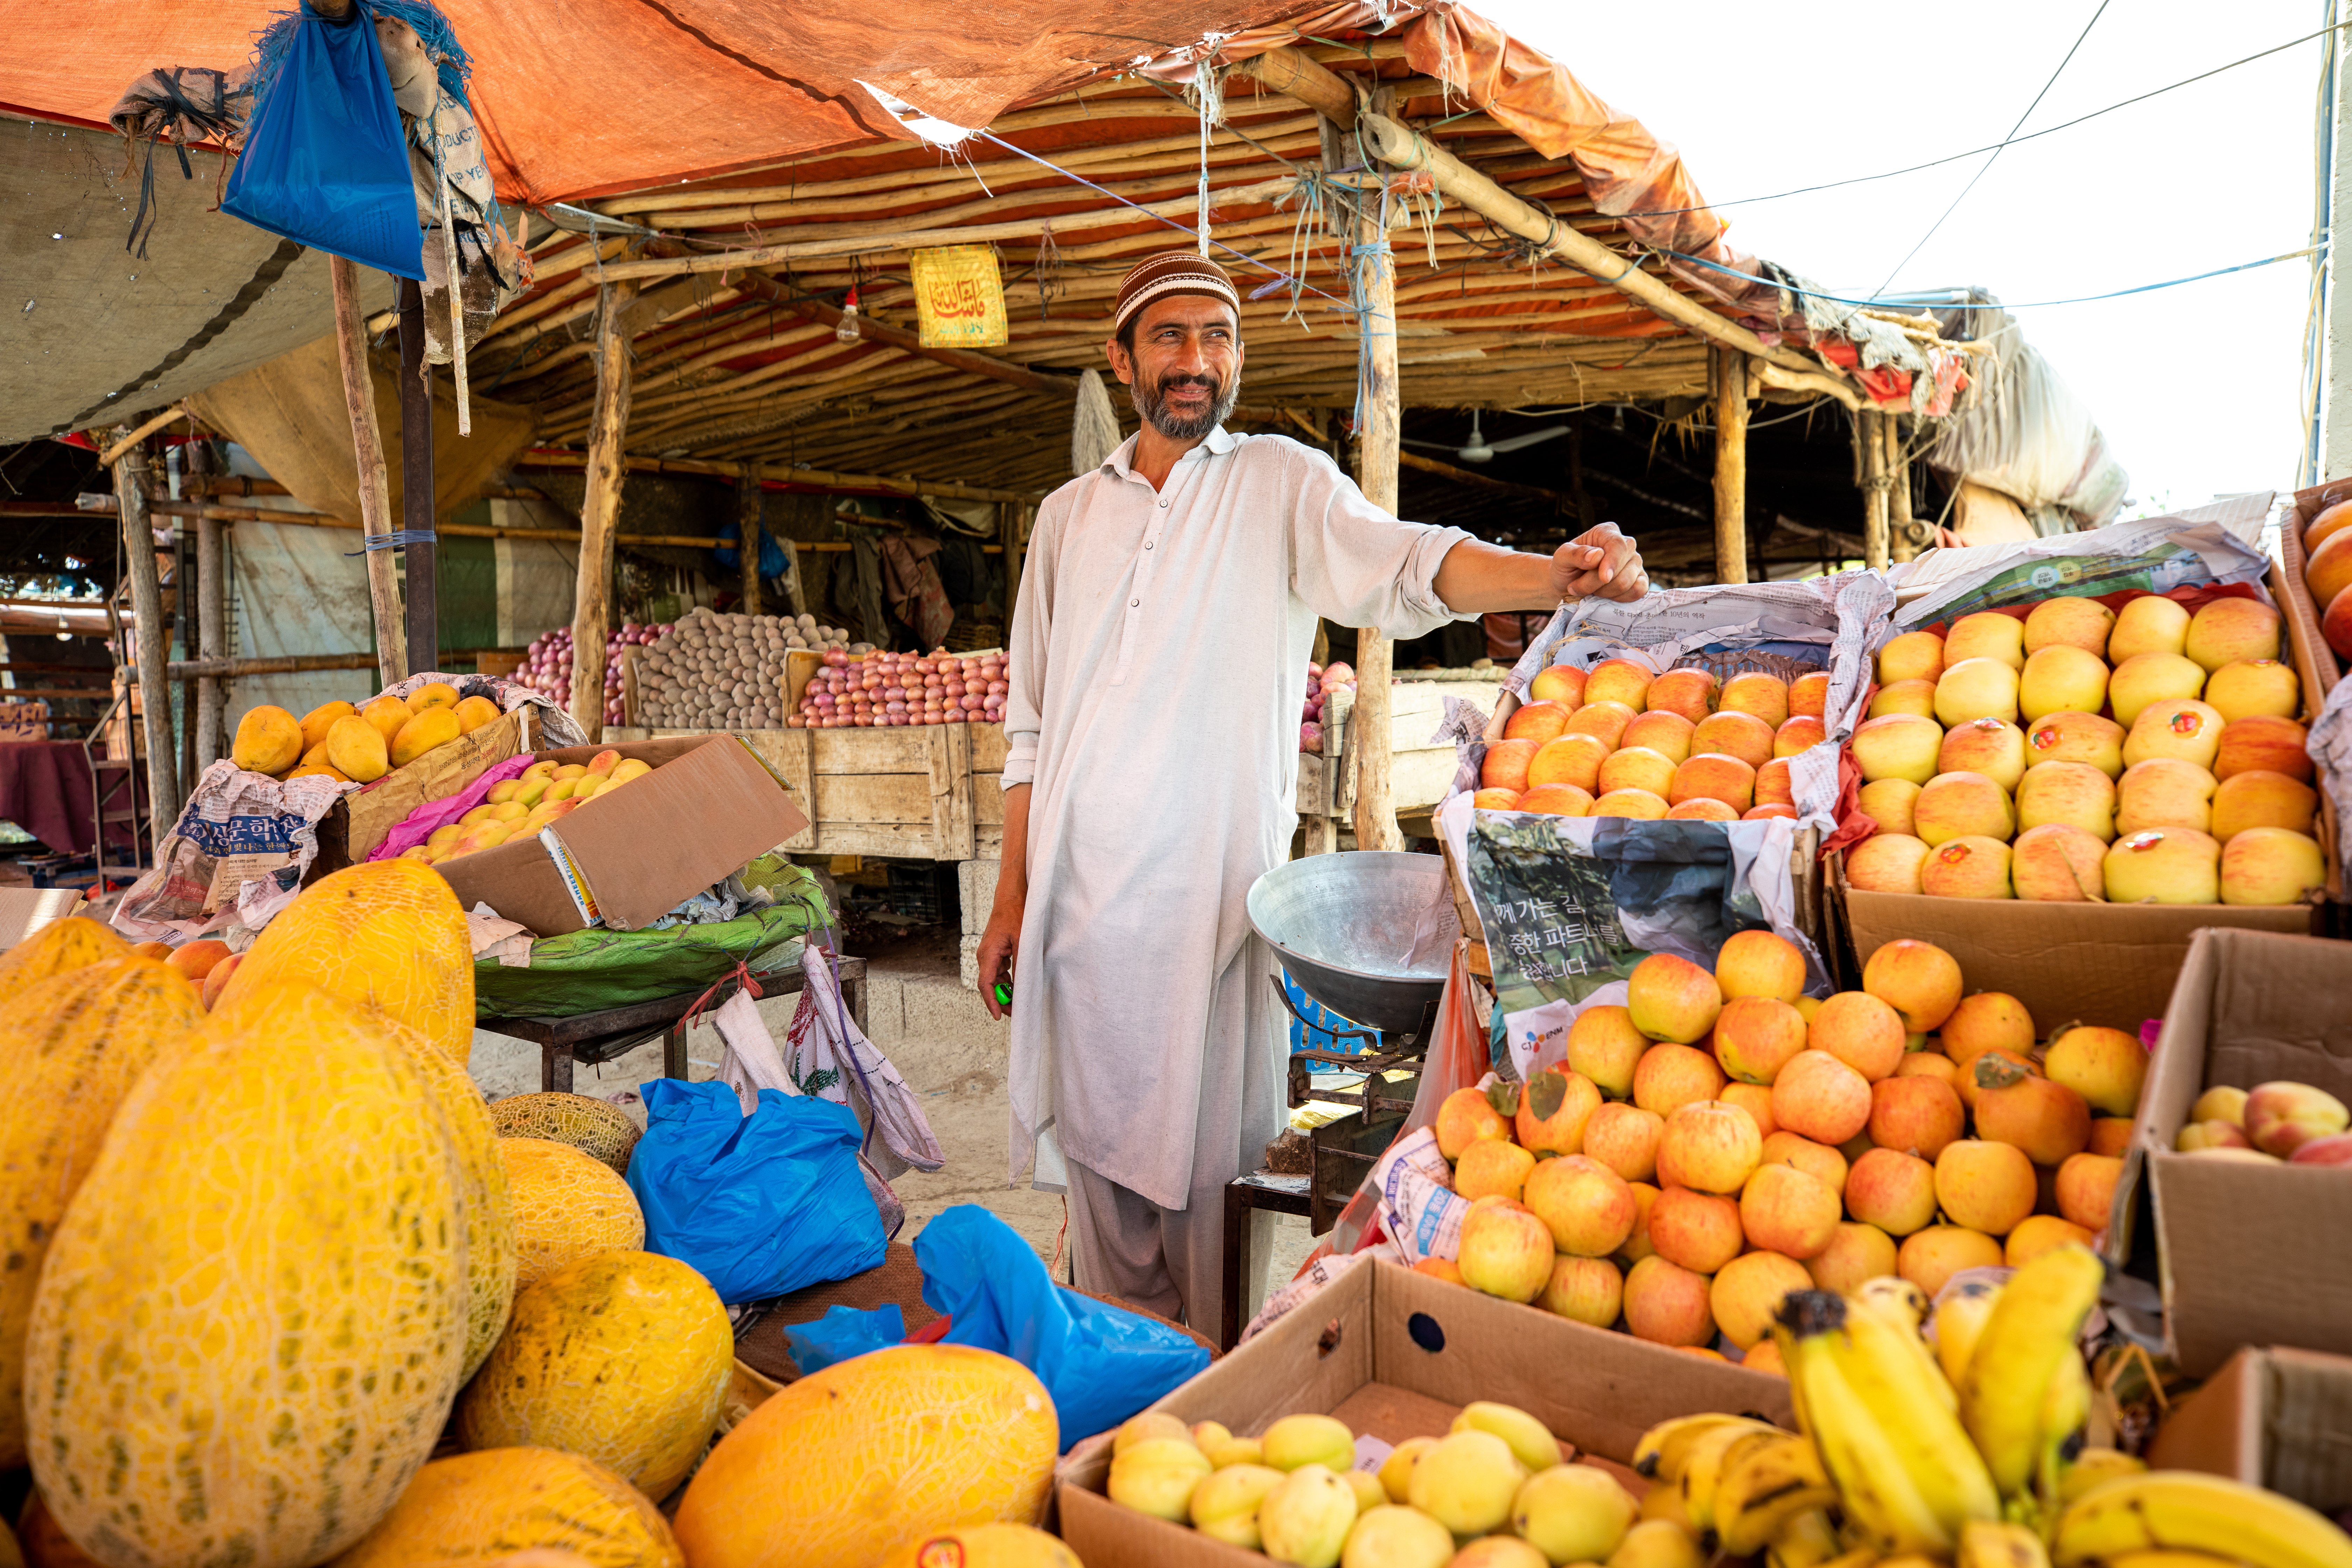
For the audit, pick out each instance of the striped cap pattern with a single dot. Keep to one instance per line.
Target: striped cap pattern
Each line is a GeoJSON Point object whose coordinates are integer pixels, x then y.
{"type": "Point", "coordinates": [1171, 272]}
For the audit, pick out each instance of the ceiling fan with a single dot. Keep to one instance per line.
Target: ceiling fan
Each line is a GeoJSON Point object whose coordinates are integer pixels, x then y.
{"type": "Point", "coordinates": [1480, 450]}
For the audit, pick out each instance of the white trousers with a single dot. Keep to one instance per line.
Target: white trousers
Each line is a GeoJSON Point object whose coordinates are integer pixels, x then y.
{"type": "Point", "coordinates": [1169, 1261]}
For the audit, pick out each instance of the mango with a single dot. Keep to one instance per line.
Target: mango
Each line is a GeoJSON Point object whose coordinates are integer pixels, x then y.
{"type": "Point", "coordinates": [1572, 1513]}
{"type": "Point", "coordinates": [1396, 1470]}
{"type": "Point", "coordinates": [1657, 1543]}
{"type": "Point", "coordinates": [357, 747]}
{"type": "Point", "coordinates": [1144, 1427]}
{"type": "Point", "coordinates": [269, 741]}
{"type": "Point", "coordinates": [589, 788]}
{"type": "Point", "coordinates": [1501, 1552]}
{"type": "Point", "coordinates": [431, 727]}
{"type": "Point", "coordinates": [432, 694]}
{"type": "Point", "coordinates": [629, 768]}
{"type": "Point", "coordinates": [474, 712]}
{"type": "Point", "coordinates": [1225, 1507]}
{"type": "Point", "coordinates": [605, 762]}
{"type": "Point", "coordinates": [1158, 1477]}
{"type": "Point", "coordinates": [1235, 1451]}
{"type": "Point", "coordinates": [1304, 1520]}
{"type": "Point", "coordinates": [1531, 1441]}
{"type": "Point", "coordinates": [1298, 1440]}
{"type": "Point", "coordinates": [1467, 1483]}
{"type": "Point", "coordinates": [501, 792]}
{"type": "Point", "coordinates": [508, 811]}
{"type": "Point", "coordinates": [445, 835]}
{"type": "Point", "coordinates": [1392, 1537]}
{"type": "Point", "coordinates": [318, 721]}
{"type": "Point", "coordinates": [530, 791]}
{"type": "Point", "coordinates": [387, 714]}
{"type": "Point", "coordinates": [545, 770]}
{"type": "Point", "coordinates": [573, 771]}
{"type": "Point", "coordinates": [473, 814]}
{"type": "Point", "coordinates": [560, 789]}
{"type": "Point", "coordinates": [1367, 1487]}
{"type": "Point", "coordinates": [319, 770]}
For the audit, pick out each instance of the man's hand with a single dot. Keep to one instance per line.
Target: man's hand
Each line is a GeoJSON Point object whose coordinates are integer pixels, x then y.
{"type": "Point", "coordinates": [1600, 563]}
{"type": "Point", "coordinates": [998, 945]}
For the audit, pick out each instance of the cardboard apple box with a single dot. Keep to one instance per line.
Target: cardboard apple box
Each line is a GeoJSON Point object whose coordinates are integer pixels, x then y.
{"type": "Point", "coordinates": [2251, 1254]}
{"type": "Point", "coordinates": [2275, 1418]}
{"type": "Point", "coordinates": [1396, 1355]}
{"type": "Point", "coordinates": [708, 809]}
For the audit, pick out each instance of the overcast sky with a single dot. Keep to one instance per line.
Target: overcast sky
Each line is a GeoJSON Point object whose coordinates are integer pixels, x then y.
{"type": "Point", "coordinates": [2196, 386]}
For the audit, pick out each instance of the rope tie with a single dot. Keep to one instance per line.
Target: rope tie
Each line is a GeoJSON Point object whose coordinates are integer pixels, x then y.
{"type": "Point", "coordinates": [394, 540]}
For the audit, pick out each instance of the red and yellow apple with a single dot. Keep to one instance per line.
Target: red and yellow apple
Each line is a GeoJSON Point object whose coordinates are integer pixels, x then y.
{"type": "Point", "coordinates": [2151, 677]}
{"type": "Point", "coordinates": [1690, 693]}
{"type": "Point", "coordinates": [2061, 679]}
{"type": "Point", "coordinates": [1976, 688]}
{"type": "Point", "coordinates": [1619, 681]}
{"type": "Point", "coordinates": [1735, 733]}
{"type": "Point", "coordinates": [2058, 863]}
{"type": "Point", "coordinates": [1899, 746]}
{"type": "Point", "coordinates": [2164, 866]}
{"type": "Point", "coordinates": [1751, 691]}
{"type": "Point", "coordinates": [2070, 737]}
{"type": "Point", "coordinates": [2270, 866]}
{"type": "Point", "coordinates": [2069, 622]}
{"type": "Point", "coordinates": [1960, 805]}
{"type": "Point", "coordinates": [2228, 629]}
{"type": "Point", "coordinates": [2164, 792]}
{"type": "Point", "coordinates": [1988, 633]}
{"type": "Point", "coordinates": [2179, 727]}
{"type": "Point", "coordinates": [2254, 686]}
{"type": "Point", "coordinates": [2150, 624]}
{"type": "Point", "coordinates": [1914, 656]}
{"type": "Point", "coordinates": [1886, 863]}
{"type": "Point", "coordinates": [2272, 746]}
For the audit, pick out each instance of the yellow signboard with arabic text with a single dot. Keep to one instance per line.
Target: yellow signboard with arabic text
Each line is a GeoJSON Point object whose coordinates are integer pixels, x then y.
{"type": "Point", "coordinates": [959, 298]}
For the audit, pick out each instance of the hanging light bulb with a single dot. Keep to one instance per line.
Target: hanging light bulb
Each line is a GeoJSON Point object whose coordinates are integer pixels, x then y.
{"type": "Point", "coordinates": [845, 329]}
{"type": "Point", "coordinates": [65, 634]}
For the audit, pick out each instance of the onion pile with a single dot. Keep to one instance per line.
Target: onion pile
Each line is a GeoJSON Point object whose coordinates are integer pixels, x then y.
{"type": "Point", "coordinates": [890, 688]}
{"type": "Point", "coordinates": [723, 672]}
{"type": "Point", "coordinates": [1320, 683]}
{"type": "Point", "coordinates": [547, 664]}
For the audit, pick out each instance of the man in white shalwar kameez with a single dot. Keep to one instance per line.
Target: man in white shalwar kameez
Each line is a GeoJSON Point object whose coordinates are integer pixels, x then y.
{"type": "Point", "coordinates": [1159, 664]}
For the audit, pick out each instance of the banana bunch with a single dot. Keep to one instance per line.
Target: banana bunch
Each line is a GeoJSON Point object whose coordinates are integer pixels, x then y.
{"type": "Point", "coordinates": [1882, 1417]}
{"type": "Point", "coordinates": [2025, 1394]}
{"type": "Point", "coordinates": [2179, 1519]}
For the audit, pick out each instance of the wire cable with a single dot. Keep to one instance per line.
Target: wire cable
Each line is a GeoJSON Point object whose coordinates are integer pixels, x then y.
{"type": "Point", "coordinates": [1991, 147]}
{"type": "Point", "coordinates": [1883, 304]}
{"type": "Point", "coordinates": [1995, 151]}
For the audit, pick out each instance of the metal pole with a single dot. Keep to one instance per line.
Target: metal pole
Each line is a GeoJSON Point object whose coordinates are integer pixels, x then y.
{"type": "Point", "coordinates": [152, 646]}
{"type": "Point", "coordinates": [424, 617]}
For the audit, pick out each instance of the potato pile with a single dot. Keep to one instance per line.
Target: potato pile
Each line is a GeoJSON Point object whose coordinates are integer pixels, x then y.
{"type": "Point", "coordinates": [724, 672]}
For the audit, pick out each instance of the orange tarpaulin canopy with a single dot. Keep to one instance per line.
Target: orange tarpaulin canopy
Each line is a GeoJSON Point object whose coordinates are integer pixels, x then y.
{"type": "Point", "coordinates": [581, 97]}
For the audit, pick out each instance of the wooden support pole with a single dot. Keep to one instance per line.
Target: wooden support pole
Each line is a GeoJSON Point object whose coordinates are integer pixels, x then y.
{"type": "Point", "coordinates": [416, 488]}
{"type": "Point", "coordinates": [747, 541]}
{"type": "Point", "coordinates": [1730, 465]}
{"type": "Point", "coordinates": [1873, 448]}
{"type": "Point", "coordinates": [1377, 445]}
{"type": "Point", "coordinates": [152, 644]}
{"type": "Point", "coordinates": [1295, 74]}
{"type": "Point", "coordinates": [375, 485]}
{"type": "Point", "coordinates": [212, 641]}
{"type": "Point", "coordinates": [593, 602]}
{"type": "Point", "coordinates": [1902, 540]}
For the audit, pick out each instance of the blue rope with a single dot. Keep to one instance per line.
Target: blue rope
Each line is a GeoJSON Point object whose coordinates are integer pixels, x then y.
{"type": "Point", "coordinates": [394, 540]}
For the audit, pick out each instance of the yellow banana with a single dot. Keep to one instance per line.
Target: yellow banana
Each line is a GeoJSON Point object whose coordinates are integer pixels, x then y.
{"type": "Point", "coordinates": [1901, 1305]}
{"type": "Point", "coordinates": [2065, 1408]}
{"type": "Point", "coordinates": [1882, 1500]}
{"type": "Point", "coordinates": [1904, 1303]}
{"type": "Point", "coordinates": [1960, 1323]}
{"type": "Point", "coordinates": [1862, 1557]}
{"type": "Point", "coordinates": [2168, 1560]}
{"type": "Point", "coordinates": [1767, 1482]}
{"type": "Point", "coordinates": [1989, 1545]}
{"type": "Point", "coordinates": [1664, 1502]}
{"type": "Point", "coordinates": [1806, 1539]}
{"type": "Point", "coordinates": [1893, 1375]}
{"type": "Point", "coordinates": [2183, 1511]}
{"type": "Point", "coordinates": [1660, 1453]}
{"type": "Point", "coordinates": [2090, 1468]}
{"type": "Point", "coordinates": [1703, 1473]}
{"type": "Point", "coordinates": [2005, 1393]}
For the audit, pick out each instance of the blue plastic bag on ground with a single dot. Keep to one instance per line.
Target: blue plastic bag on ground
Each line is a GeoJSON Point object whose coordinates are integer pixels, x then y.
{"type": "Point", "coordinates": [1100, 1364]}
{"type": "Point", "coordinates": [843, 1332]}
{"type": "Point", "coordinates": [759, 1204]}
{"type": "Point", "coordinates": [325, 161]}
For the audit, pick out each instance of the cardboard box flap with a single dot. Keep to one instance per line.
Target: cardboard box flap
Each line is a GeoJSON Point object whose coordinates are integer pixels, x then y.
{"type": "Point", "coordinates": [717, 806]}
{"type": "Point", "coordinates": [375, 811]}
{"type": "Point", "coordinates": [2276, 1418]}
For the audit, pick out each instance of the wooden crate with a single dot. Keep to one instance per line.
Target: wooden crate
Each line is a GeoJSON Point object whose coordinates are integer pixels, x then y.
{"type": "Point", "coordinates": [1421, 769]}
{"type": "Point", "coordinates": [905, 791]}
{"type": "Point", "coordinates": [988, 753]}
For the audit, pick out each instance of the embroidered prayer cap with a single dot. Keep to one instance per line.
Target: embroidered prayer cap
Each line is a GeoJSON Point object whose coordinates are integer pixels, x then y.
{"type": "Point", "coordinates": [1171, 272]}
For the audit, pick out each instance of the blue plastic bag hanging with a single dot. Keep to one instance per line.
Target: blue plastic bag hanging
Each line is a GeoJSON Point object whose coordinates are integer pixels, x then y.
{"type": "Point", "coordinates": [843, 1332]}
{"type": "Point", "coordinates": [1100, 1364]}
{"type": "Point", "coordinates": [730, 556]}
{"type": "Point", "coordinates": [759, 1204]}
{"type": "Point", "coordinates": [325, 162]}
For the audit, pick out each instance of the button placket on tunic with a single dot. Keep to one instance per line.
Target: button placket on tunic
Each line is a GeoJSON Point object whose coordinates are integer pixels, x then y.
{"type": "Point", "coordinates": [1143, 1038]}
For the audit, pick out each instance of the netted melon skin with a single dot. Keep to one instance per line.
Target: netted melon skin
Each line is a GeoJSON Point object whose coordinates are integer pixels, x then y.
{"type": "Point", "coordinates": [525, 1508]}
{"type": "Point", "coordinates": [73, 942]}
{"type": "Point", "coordinates": [623, 1357]}
{"type": "Point", "coordinates": [589, 1125]}
{"type": "Point", "coordinates": [250, 1331]}
{"type": "Point", "coordinates": [389, 934]}
{"type": "Point", "coordinates": [71, 1047]}
{"type": "Point", "coordinates": [567, 1205]}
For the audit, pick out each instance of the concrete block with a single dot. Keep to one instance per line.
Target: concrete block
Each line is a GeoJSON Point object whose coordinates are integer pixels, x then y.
{"type": "Point", "coordinates": [970, 966]}
{"type": "Point", "coordinates": [976, 886]}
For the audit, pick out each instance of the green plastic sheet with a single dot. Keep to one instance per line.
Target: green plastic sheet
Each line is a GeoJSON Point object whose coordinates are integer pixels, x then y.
{"type": "Point", "coordinates": [588, 971]}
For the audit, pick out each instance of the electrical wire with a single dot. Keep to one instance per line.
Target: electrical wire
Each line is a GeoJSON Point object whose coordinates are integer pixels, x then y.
{"type": "Point", "coordinates": [1995, 151]}
{"type": "Point", "coordinates": [1881, 304]}
{"type": "Point", "coordinates": [1992, 147]}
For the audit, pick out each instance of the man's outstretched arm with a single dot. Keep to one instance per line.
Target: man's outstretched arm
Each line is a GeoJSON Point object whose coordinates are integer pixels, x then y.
{"type": "Point", "coordinates": [1476, 577]}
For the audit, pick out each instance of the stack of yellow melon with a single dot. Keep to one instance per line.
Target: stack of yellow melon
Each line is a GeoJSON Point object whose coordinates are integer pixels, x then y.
{"type": "Point", "coordinates": [356, 745]}
{"type": "Point", "coordinates": [2076, 753]}
{"type": "Point", "coordinates": [519, 808]}
{"type": "Point", "coordinates": [1621, 742]}
{"type": "Point", "coordinates": [263, 1258]}
{"type": "Point", "coordinates": [1723, 1140]}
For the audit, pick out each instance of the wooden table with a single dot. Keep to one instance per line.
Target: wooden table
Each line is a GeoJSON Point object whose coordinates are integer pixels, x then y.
{"type": "Point", "coordinates": [1258, 1190]}
{"type": "Point", "coordinates": [602, 1036]}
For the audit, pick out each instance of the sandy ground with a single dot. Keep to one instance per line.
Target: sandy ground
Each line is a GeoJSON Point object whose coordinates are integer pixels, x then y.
{"type": "Point", "coordinates": [950, 1051]}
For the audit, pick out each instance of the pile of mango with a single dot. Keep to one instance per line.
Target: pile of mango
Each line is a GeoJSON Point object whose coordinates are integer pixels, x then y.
{"type": "Point", "coordinates": [356, 745]}
{"type": "Point", "coordinates": [519, 807]}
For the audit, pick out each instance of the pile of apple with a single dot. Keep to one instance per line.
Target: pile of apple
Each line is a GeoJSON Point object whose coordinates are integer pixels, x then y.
{"type": "Point", "coordinates": [2158, 759]}
{"type": "Point", "coordinates": [2269, 1123]}
{"type": "Point", "coordinates": [1620, 741]}
{"type": "Point", "coordinates": [2327, 572]}
{"type": "Point", "coordinates": [1723, 1140]}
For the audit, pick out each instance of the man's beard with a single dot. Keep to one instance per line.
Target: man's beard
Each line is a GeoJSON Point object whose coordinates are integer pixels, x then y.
{"type": "Point", "coordinates": [1156, 413]}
